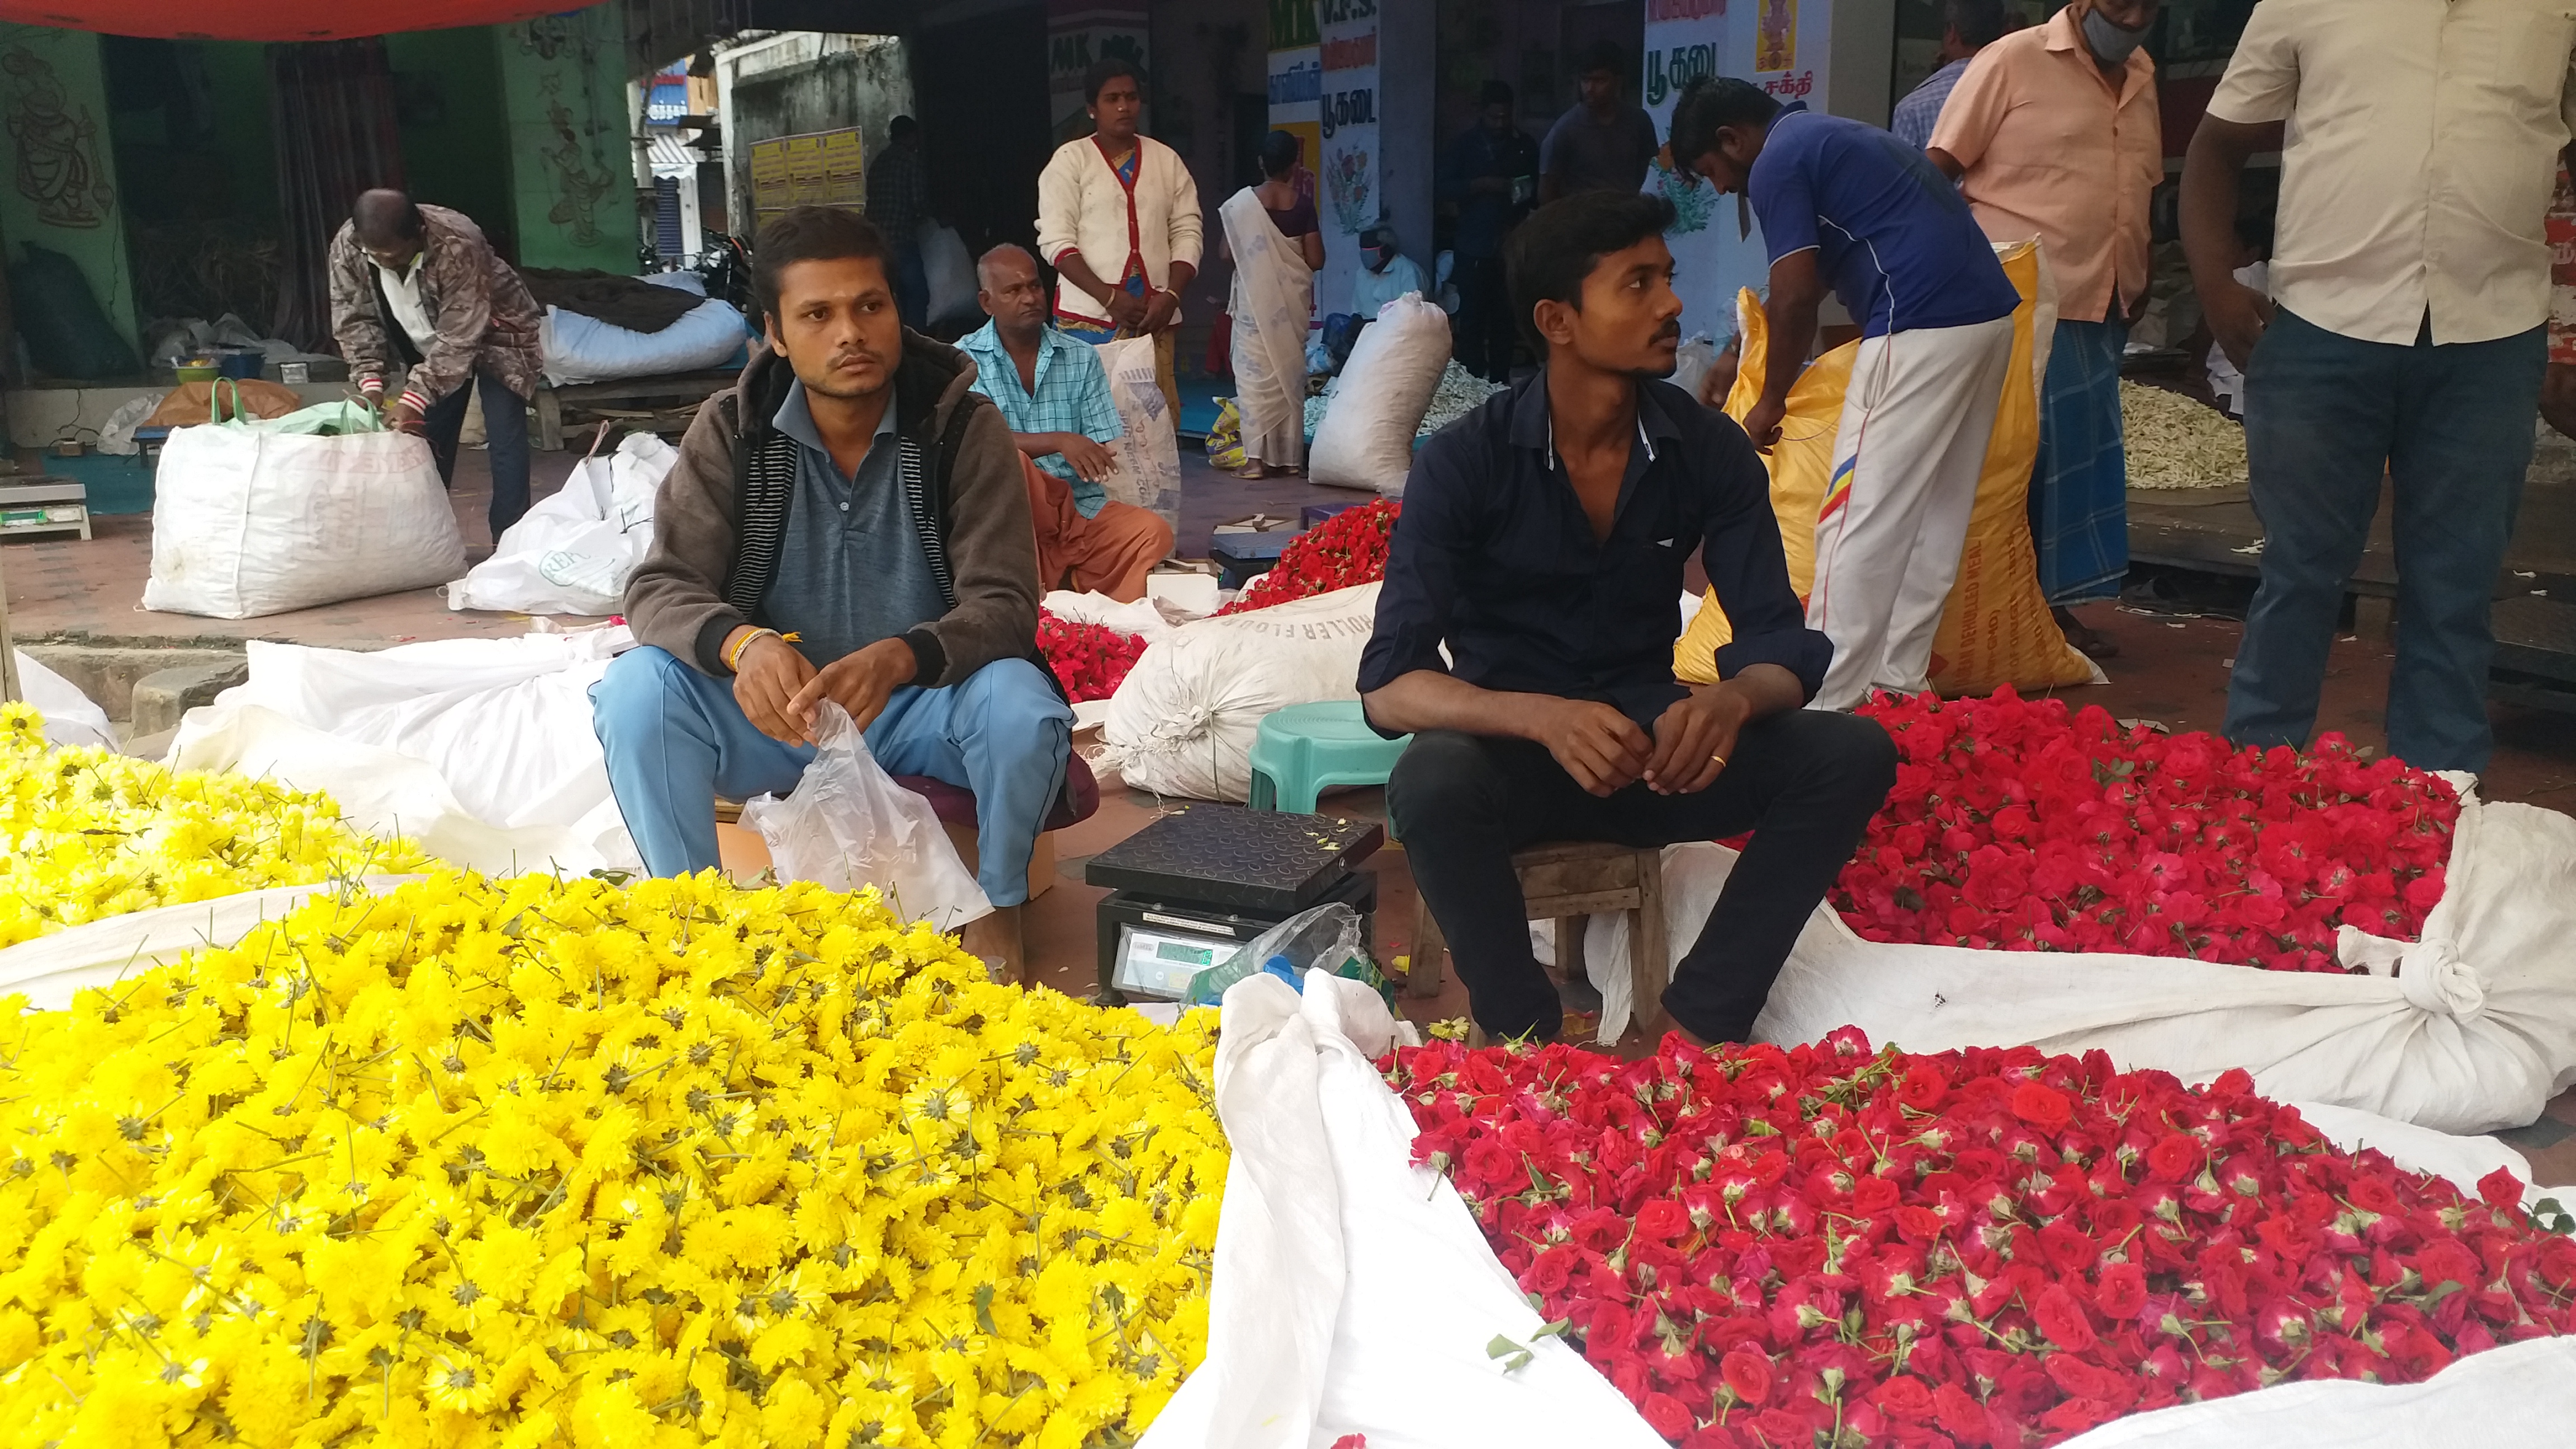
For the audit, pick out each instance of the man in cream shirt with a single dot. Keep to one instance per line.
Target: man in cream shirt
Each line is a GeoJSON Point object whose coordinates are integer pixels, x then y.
{"type": "Point", "coordinates": [2405, 332]}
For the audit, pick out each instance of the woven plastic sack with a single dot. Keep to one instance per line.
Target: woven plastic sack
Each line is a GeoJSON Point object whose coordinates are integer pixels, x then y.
{"type": "Point", "coordinates": [1148, 474]}
{"type": "Point", "coordinates": [1997, 630]}
{"type": "Point", "coordinates": [266, 517]}
{"type": "Point", "coordinates": [1366, 438]}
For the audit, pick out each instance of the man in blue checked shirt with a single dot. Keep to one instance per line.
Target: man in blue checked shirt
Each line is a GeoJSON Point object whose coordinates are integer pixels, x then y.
{"type": "Point", "coordinates": [1968, 26]}
{"type": "Point", "coordinates": [1055, 398]}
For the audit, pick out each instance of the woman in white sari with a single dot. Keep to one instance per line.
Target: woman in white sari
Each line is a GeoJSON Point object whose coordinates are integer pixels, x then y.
{"type": "Point", "coordinates": [1277, 246]}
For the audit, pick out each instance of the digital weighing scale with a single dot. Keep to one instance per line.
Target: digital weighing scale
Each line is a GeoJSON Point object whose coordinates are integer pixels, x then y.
{"type": "Point", "coordinates": [1194, 886]}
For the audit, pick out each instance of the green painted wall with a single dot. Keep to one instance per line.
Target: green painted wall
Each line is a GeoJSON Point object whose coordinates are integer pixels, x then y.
{"type": "Point", "coordinates": [572, 169]}
{"type": "Point", "coordinates": [61, 190]}
{"type": "Point", "coordinates": [455, 136]}
{"type": "Point", "coordinates": [237, 74]}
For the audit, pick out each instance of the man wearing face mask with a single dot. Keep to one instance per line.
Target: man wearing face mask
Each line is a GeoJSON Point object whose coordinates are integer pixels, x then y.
{"type": "Point", "coordinates": [1388, 274]}
{"type": "Point", "coordinates": [2054, 132]}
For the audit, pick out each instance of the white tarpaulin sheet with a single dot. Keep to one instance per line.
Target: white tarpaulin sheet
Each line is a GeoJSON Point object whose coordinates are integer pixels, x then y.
{"type": "Point", "coordinates": [480, 749]}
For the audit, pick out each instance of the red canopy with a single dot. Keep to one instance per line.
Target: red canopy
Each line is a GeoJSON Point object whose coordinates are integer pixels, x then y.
{"type": "Point", "coordinates": [267, 19]}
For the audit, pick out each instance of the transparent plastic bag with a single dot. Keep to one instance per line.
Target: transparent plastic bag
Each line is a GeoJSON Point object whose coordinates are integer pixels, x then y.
{"type": "Point", "coordinates": [1327, 936]}
{"type": "Point", "coordinates": [847, 824]}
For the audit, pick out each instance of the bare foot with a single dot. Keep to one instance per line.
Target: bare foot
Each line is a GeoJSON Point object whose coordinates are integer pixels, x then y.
{"type": "Point", "coordinates": [996, 940]}
{"type": "Point", "coordinates": [1251, 472]}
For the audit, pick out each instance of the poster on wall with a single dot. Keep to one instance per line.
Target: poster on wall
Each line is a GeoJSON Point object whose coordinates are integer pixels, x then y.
{"type": "Point", "coordinates": [1779, 45]}
{"type": "Point", "coordinates": [1080, 32]}
{"type": "Point", "coordinates": [1348, 199]}
{"type": "Point", "coordinates": [1297, 83]}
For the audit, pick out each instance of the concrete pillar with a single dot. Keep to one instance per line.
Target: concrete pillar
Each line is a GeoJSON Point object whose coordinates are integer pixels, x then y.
{"type": "Point", "coordinates": [1408, 149]}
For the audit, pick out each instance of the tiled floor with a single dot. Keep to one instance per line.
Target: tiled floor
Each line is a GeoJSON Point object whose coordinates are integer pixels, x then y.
{"type": "Point", "coordinates": [2173, 670]}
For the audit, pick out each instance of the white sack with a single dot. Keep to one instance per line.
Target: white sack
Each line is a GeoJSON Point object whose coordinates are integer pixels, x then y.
{"type": "Point", "coordinates": [848, 825]}
{"type": "Point", "coordinates": [2518, 1394]}
{"type": "Point", "coordinates": [1148, 454]}
{"type": "Point", "coordinates": [51, 969]}
{"type": "Point", "coordinates": [71, 720]}
{"type": "Point", "coordinates": [480, 749]}
{"type": "Point", "coordinates": [1143, 618]}
{"type": "Point", "coordinates": [573, 552]}
{"type": "Point", "coordinates": [577, 349]}
{"type": "Point", "coordinates": [1366, 438]}
{"type": "Point", "coordinates": [1184, 720]}
{"type": "Point", "coordinates": [949, 270]}
{"type": "Point", "coordinates": [247, 522]}
{"type": "Point", "coordinates": [1354, 1293]}
{"type": "Point", "coordinates": [2475, 1030]}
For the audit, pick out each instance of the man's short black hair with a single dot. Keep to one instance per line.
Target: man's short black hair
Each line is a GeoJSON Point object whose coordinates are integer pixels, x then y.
{"type": "Point", "coordinates": [1711, 103]}
{"type": "Point", "coordinates": [811, 234]}
{"type": "Point", "coordinates": [385, 218]}
{"type": "Point", "coordinates": [901, 127]}
{"type": "Point", "coordinates": [1547, 259]}
{"type": "Point", "coordinates": [1980, 23]}
{"type": "Point", "coordinates": [1106, 69]}
{"type": "Point", "coordinates": [1603, 56]}
{"type": "Point", "coordinates": [1495, 93]}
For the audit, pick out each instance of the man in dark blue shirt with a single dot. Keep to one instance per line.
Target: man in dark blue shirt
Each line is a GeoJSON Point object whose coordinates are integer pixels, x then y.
{"type": "Point", "coordinates": [1543, 541]}
{"type": "Point", "coordinates": [1492, 173]}
{"type": "Point", "coordinates": [1850, 206]}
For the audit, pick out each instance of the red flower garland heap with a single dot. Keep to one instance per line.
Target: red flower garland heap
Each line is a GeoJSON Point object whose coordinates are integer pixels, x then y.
{"type": "Point", "coordinates": [1825, 1245]}
{"type": "Point", "coordinates": [1090, 660]}
{"type": "Point", "coordinates": [2017, 826]}
{"type": "Point", "coordinates": [1342, 552]}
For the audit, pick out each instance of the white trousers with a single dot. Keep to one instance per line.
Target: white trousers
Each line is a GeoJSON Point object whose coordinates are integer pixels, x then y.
{"type": "Point", "coordinates": [1916, 421]}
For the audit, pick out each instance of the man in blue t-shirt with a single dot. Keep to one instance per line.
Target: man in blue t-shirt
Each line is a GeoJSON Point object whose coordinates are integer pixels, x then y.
{"type": "Point", "coordinates": [1848, 206]}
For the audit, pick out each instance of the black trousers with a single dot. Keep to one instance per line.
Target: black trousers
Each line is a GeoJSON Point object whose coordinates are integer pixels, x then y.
{"type": "Point", "coordinates": [1486, 335]}
{"type": "Point", "coordinates": [505, 443]}
{"type": "Point", "coordinates": [1805, 782]}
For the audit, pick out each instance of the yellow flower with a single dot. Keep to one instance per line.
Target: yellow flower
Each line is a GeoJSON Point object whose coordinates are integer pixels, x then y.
{"type": "Point", "coordinates": [546, 1161]}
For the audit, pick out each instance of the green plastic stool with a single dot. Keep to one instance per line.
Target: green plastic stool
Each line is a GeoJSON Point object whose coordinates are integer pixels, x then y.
{"type": "Point", "coordinates": [1305, 748]}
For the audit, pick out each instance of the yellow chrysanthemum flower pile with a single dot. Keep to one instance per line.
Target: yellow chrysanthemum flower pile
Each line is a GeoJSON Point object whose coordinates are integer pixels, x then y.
{"type": "Point", "coordinates": [559, 1162]}
{"type": "Point", "coordinates": [86, 834]}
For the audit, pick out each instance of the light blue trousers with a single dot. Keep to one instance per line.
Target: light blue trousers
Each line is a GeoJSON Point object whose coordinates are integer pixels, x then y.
{"type": "Point", "coordinates": [675, 739]}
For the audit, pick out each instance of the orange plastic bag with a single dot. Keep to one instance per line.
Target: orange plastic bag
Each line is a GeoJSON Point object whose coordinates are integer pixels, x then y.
{"type": "Point", "coordinates": [1997, 629]}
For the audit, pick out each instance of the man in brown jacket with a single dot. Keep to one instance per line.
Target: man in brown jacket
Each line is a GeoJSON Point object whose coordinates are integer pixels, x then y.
{"type": "Point", "coordinates": [847, 523]}
{"type": "Point", "coordinates": [417, 290]}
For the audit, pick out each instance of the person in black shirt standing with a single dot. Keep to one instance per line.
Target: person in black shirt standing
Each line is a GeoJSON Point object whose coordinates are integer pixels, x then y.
{"type": "Point", "coordinates": [1543, 541]}
{"type": "Point", "coordinates": [1492, 173]}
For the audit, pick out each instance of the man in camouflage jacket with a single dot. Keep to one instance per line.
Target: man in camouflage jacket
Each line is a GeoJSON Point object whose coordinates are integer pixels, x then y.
{"type": "Point", "coordinates": [417, 289]}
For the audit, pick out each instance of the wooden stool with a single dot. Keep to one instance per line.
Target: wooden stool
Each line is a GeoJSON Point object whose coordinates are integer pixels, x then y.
{"type": "Point", "coordinates": [1565, 881]}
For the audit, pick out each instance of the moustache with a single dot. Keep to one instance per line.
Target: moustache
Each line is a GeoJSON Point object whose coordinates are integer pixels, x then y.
{"type": "Point", "coordinates": [1670, 331]}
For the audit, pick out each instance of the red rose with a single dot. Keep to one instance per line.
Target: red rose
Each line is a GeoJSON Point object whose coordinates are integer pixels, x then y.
{"type": "Point", "coordinates": [2175, 1156]}
{"type": "Point", "coordinates": [2062, 1318]}
{"type": "Point", "coordinates": [1873, 1195]}
{"type": "Point", "coordinates": [2042, 1106]}
{"type": "Point", "coordinates": [1919, 1224]}
{"type": "Point", "coordinates": [1662, 1220]}
{"type": "Point", "coordinates": [2501, 1189]}
{"type": "Point", "coordinates": [1961, 1416]}
{"type": "Point", "coordinates": [1668, 1416]}
{"type": "Point", "coordinates": [1747, 1371]}
{"type": "Point", "coordinates": [1906, 1400]}
{"type": "Point", "coordinates": [2122, 1291]}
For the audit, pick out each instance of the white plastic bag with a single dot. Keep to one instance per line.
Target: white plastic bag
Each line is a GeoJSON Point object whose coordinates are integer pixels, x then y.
{"type": "Point", "coordinates": [950, 271]}
{"type": "Point", "coordinates": [2475, 1030]}
{"type": "Point", "coordinates": [71, 719]}
{"type": "Point", "coordinates": [847, 824]}
{"type": "Point", "coordinates": [1366, 438]}
{"type": "Point", "coordinates": [247, 521]}
{"type": "Point", "coordinates": [1183, 721]}
{"type": "Point", "coordinates": [578, 349]}
{"type": "Point", "coordinates": [1148, 474]}
{"type": "Point", "coordinates": [573, 551]}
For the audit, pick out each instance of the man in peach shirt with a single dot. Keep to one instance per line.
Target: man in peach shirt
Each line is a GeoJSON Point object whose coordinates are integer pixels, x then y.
{"type": "Point", "coordinates": [2054, 132]}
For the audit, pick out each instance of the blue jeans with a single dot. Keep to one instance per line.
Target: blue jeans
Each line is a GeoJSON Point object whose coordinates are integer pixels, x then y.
{"type": "Point", "coordinates": [2452, 427]}
{"type": "Point", "coordinates": [505, 438]}
{"type": "Point", "coordinates": [911, 284]}
{"type": "Point", "coordinates": [675, 739]}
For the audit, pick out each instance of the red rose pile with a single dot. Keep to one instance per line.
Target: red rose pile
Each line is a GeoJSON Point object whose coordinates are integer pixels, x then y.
{"type": "Point", "coordinates": [1827, 1245]}
{"type": "Point", "coordinates": [1342, 552]}
{"type": "Point", "coordinates": [1090, 660]}
{"type": "Point", "coordinates": [2019, 826]}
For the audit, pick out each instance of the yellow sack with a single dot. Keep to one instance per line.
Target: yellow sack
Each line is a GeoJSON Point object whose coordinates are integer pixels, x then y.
{"type": "Point", "coordinates": [1997, 629]}
{"type": "Point", "coordinates": [1225, 440]}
